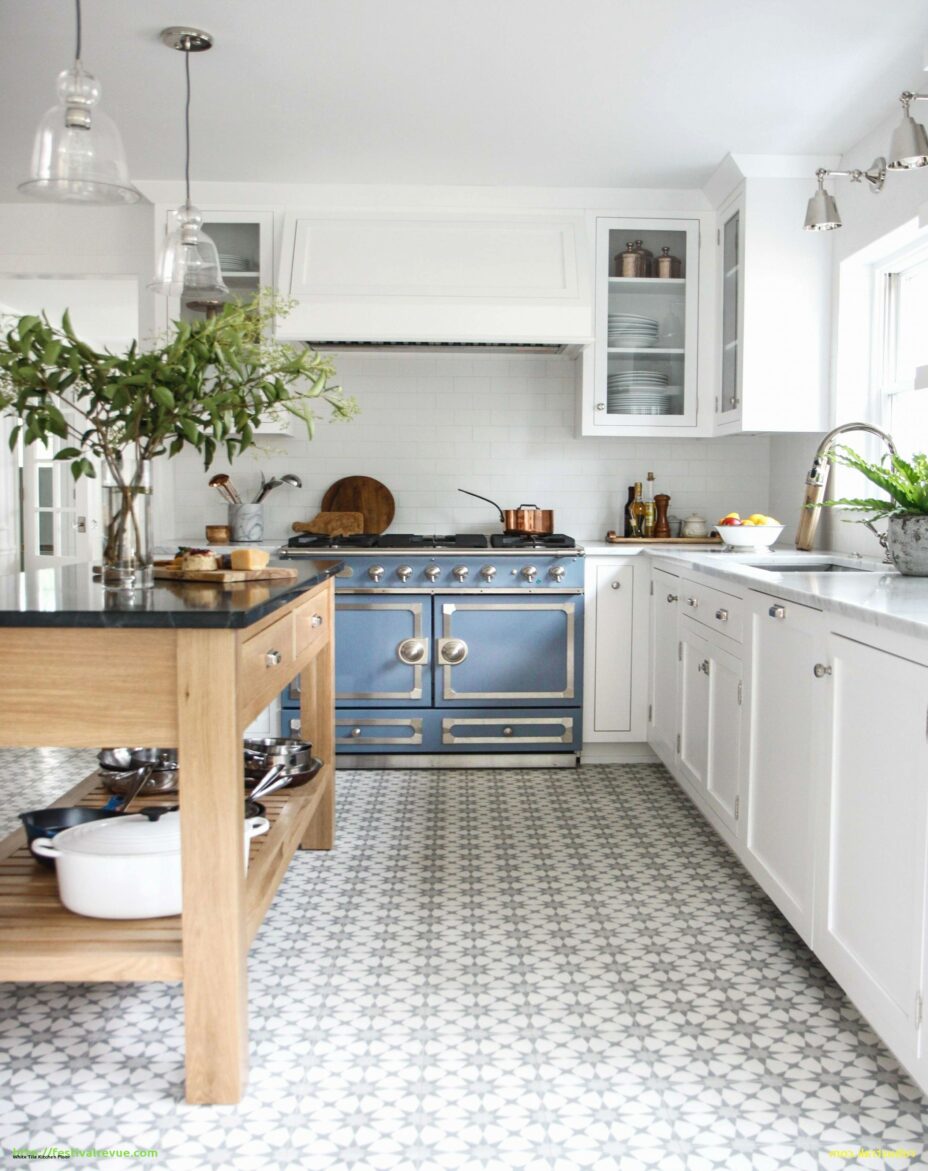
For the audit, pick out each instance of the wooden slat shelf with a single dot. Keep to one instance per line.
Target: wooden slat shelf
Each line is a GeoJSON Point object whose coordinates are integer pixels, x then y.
{"type": "Point", "coordinates": [44, 941]}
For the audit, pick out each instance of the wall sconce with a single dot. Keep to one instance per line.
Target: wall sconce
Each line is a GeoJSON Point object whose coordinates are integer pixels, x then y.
{"type": "Point", "coordinates": [908, 147]}
{"type": "Point", "coordinates": [822, 212]}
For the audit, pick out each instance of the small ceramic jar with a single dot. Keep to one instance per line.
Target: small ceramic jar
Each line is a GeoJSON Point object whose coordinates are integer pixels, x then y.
{"type": "Point", "coordinates": [694, 526]}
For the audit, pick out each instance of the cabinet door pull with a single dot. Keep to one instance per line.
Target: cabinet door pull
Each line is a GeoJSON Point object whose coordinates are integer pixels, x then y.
{"type": "Point", "coordinates": [273, 659]}
{"type": "Point", "coordinates": [692, 602]}
{"type": "Point", "coordinates": [722, 615]}
{"type": "Point", "coordinates": [616, 585]}
{"type": "Point", "coordinates": [820, 670]}
{"type": "Point", "coordinates": [777, 611]}
{"type": "Point", "coordinates": [672, 598]}
{"type": "Point", "coordinates": [316, 620]}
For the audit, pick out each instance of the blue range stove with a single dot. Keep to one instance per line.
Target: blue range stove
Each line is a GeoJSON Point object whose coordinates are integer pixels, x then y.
{"type": "Point", "coordinates": [454, 651]}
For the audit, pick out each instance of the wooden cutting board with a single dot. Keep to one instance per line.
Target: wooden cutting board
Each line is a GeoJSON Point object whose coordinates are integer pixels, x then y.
{"type": "Point", "coordinates": [335, 524]}
{"type": "Point", "coordinates": [222, 576]}
{"type": "Point", "coordinates": [365, 495]}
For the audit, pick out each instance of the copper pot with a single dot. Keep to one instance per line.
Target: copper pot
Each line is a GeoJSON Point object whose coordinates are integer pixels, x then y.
{"type": "Point", "coordinates": [527, 518]}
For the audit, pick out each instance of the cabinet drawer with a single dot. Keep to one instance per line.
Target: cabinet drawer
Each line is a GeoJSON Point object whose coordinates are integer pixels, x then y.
{"type": "Point", "coordinates": [310, 625]}
{"type": "Point", "coordinates": [267, 662]}
{"type": "Point", "coordinates": [713, 608]}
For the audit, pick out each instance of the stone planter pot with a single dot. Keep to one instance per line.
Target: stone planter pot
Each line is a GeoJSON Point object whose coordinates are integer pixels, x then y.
{"type": "Point", "coordinates": [908, 544]}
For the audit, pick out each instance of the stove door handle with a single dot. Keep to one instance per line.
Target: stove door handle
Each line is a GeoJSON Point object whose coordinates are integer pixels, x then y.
{"type": "Point", "coordinates": [452, 651]}
{"type": "Point", "coordinates": [413, 651]}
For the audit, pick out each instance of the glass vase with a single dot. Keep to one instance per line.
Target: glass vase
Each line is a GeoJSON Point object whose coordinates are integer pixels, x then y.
{"type": "Point", "coordinates": [127, 543]}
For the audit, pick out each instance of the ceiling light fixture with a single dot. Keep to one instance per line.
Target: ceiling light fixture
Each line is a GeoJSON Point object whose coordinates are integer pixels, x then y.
{"type": "Point", "coordinates": [188, 259]}
{"type": "Point", "coordinates": [822, 212]}
{"type": "Point", "coordinates": [77, 156]}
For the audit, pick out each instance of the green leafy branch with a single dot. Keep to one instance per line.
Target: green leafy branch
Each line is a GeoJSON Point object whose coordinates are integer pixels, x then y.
{"type": "Point", "coordinates": [905, 483]}
{"type": "Point", "coordinates": [207, 386]}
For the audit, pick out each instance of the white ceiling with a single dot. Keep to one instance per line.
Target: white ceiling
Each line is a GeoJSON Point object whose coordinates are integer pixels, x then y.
{"type": "Point", "coordinates": [612, 93]}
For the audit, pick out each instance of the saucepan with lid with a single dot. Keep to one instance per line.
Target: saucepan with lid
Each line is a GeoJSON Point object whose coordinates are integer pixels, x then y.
{"type": "Point", "coordinates": [527, 518]}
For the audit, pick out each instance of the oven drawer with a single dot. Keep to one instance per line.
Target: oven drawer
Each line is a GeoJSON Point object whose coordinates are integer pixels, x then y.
{"type": "Point", "coordinates": [542, 731]}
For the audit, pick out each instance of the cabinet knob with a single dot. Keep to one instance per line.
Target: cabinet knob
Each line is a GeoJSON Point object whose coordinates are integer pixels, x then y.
{"type": "Point", "coordinates": [820, 670]}
{"type": "Point", "coordinates": [355, 733]}
{"type": "Point", "coordinates": [722, 615]}
{"type": "Point", "coordinates": [273, 659]}
{"type": "Point", "coordinates": [316, 620]}
{"type": "Point", "coordinates": [673, 598]}
{"type": "Point", "coordinates": [616, 585]}
{"type": "Point", "coordinates": [777, 611]}
{"type": "Point", "coordinates": [704, 667]}
{"type": "Point", "coordinates": [692, 602]}
{"type": "Point", "coordinates": [600, 406]}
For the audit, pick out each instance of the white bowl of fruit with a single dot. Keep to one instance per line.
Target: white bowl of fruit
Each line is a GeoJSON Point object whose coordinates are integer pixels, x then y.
{"type": "Point", "coordinates": [753, 532]}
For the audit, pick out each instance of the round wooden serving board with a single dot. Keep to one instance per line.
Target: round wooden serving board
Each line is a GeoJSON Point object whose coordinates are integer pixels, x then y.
{"type": "Point", "coordinates": [365, 495]}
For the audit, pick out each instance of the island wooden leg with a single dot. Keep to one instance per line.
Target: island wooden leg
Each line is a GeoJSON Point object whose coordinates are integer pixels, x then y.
{"type": "Point", "coordinates": [212, 830]}
{"type": "Point", "coordinates": [317, 719]}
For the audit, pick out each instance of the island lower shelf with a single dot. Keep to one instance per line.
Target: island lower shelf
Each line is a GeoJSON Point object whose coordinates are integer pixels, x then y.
{"type": "Point", "coordinates": [43, 941]}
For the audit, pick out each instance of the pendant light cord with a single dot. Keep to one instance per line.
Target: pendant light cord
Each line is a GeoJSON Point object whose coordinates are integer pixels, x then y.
{"type": "Point", "coordinates": [186, 124]}
{"type": "Point", "coordinates": [77, 47]}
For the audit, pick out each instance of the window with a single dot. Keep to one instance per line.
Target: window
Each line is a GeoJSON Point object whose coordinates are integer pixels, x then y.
{"type": "Point", "coordinates": [902, 366]}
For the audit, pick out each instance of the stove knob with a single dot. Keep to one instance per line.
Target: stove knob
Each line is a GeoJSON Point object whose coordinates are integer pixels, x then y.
{"type": "Point", "coordinates": [375, 573]}
{"type": "Point", "coordinates": [557, 572]}
{"type": "Point", "coordinates": [460, 572]}
{"type": "Point", "coordinates": [530, 573]}
{"type": "Point", "coordinates": [432, 572]}
{"type": "Point", "coordinates": [488, 572]}
{"type": "Point", "coordinates": [404, 572]}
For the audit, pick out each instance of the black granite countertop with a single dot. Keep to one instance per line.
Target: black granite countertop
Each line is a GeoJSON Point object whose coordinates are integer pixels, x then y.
{"type": "Point", "coordinates": [71, 596]}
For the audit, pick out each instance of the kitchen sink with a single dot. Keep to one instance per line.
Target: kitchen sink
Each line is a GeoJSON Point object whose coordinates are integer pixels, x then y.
{"type": "Point", "coordinates": [819, 567]}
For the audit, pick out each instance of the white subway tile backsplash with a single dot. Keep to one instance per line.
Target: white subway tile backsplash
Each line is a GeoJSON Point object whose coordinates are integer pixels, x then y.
{"type": "Point", "coordinates": [501, 426]}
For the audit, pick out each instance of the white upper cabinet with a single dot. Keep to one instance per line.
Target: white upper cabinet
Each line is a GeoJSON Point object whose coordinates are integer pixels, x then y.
{"type": "Point", "coordinates": [643, 376]}
{"type": "Point", "coordinates": [437, 276]}
{"type": "Point", "coordinates": [773, 337]}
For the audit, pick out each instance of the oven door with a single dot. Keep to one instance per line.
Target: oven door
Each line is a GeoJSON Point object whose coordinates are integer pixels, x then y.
{"type": "Point", "coordinates": [383, 649]}
{"type": "Point", "coordinates": [505, 650]}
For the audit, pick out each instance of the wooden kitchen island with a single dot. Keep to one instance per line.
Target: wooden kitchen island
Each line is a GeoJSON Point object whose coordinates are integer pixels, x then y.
{"type": "Point", "coordinates": [176, 665]}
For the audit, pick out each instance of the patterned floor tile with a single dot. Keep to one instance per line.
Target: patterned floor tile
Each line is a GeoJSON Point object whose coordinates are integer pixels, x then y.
{"type": "Point", "coordinates": [494, 969]}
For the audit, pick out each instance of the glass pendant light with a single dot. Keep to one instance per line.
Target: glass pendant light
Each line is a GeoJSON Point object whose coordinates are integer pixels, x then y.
{"type": "Point", "coordinates": [78, 155]}
{"type": "Point", "coordinates": [188, 260]}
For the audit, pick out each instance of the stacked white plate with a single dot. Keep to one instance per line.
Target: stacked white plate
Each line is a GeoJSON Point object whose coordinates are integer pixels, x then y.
{"type": "Point", "coordinates": [230, 263]}
{"type": "Point", "coordinates": [641, 392]}
{"type": "Point", "coordinates": [632, 331]}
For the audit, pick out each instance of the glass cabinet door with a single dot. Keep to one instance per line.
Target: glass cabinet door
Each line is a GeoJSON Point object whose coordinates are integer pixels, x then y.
{"type": "Point", "coordinates": [646, 323]}
{"type": "Point", "coordinates": [731, 312]}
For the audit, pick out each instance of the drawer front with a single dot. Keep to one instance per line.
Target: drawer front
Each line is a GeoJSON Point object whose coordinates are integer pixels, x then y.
{"type": "Point", "coordinates": [367, 731]}
{"type": "Point", "coordinates": [267, 662]}
{"type": "Point", "coordinates": [712, 608]}
{"type": "Point", "coordinates": [543, 732]}
{"type": "Point", "coordinates": [310, 626]}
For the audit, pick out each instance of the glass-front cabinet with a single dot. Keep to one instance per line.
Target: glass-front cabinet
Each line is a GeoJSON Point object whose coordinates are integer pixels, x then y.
{"type": "Point", "coordinates": [644, 369]}
{"type": "Point", "coordinates": [731, 245]}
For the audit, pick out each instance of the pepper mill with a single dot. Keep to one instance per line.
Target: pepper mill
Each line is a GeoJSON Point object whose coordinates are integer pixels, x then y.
{"type": "Point", "coordinates": [661, 526]}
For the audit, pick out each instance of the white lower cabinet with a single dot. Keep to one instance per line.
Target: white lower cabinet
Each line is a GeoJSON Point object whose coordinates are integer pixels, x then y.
{"type": "Point", "coordinates": [870, 922]}
{"type": "Point", "coordinates": [710, 721]}
{"type": "Point", "coordinates": [615, 677]}
{"type": "Point", "coordinates": [662, 693]}
{"type": "Point", "coordinates": [786, 713]}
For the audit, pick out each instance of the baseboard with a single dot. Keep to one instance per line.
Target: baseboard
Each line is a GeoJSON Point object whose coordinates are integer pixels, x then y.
{"type": "Point", "coordinates": [618, 754]}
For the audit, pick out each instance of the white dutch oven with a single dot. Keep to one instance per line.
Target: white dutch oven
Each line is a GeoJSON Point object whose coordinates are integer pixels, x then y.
{"type": "Point", "coordinates": [131, 873]}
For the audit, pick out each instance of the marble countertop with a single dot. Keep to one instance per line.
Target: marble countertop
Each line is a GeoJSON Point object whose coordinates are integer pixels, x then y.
{"type": "Point", "coordinates": [71, 596]}
{"type": "Point", "coordinates": [878, 596]}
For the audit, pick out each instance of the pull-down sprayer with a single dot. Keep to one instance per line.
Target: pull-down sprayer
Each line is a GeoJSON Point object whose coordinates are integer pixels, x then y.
{"type": "Point", "coordinates": [815, 481]}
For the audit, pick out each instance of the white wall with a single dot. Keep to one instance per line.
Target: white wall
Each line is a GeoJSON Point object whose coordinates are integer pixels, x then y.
{"type": "Point", "coordinates": [503, 427]}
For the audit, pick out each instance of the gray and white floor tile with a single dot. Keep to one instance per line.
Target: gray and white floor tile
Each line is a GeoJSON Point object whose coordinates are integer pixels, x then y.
{"type": "Point", "coordinates": [494, 969]}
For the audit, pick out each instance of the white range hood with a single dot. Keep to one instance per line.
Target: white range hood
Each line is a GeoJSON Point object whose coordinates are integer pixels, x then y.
{"type": "Point", "coordinates": [438, 280]}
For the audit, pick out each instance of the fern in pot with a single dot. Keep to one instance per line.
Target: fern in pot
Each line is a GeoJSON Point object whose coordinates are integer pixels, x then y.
{"type": "Point", "coordinates": [905, 483]}
{"type": "Point", "coordinates": [206, 386]}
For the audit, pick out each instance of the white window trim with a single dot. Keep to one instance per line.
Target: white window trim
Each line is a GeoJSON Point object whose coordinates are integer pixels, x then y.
{"type": "Point", "coordinates": [886, 278]}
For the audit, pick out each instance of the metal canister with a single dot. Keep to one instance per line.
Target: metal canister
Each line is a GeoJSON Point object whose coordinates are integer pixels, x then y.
{"type": "Point", "coordinates": [630, 262]}
{"type": "Point", "coordinates": [667, 265]}
{"type": "Point", "coordinates": [647, 257]}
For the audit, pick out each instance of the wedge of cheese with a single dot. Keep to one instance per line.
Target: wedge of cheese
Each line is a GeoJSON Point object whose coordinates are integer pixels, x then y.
{"type": "Point", "coordinates": [249, 558]}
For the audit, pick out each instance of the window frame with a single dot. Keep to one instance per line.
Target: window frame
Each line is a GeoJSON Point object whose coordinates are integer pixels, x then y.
{"type": "Point", "coordinates": [888, 276]}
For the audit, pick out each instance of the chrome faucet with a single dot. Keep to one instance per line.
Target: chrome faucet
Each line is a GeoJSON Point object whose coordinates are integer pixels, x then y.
{"type": "Point", "coordinates": [815, 480]}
